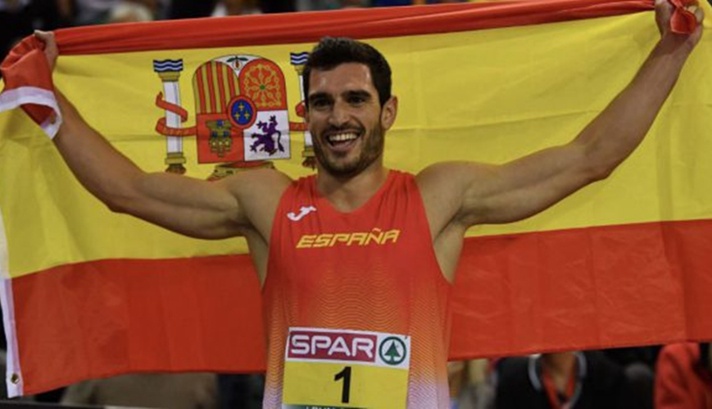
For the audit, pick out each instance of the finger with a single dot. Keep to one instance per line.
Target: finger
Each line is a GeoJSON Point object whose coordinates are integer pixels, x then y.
{"type": "Point", "coordinates": [663, 4]}
{"type": "Point", "coordinates": [699, 14]}
{"type": "Point", "coordinates": [663, 9]}
{"type": "Point", "coordinates": [45, 36]}
{"type": "Point", "coordinates": [48, 45]}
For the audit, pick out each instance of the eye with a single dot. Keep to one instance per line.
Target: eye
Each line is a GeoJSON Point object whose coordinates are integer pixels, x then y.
{"type": "Point", "coordinates": [357, 99]}
{"type": "Point", "coordinates": [319, 102]}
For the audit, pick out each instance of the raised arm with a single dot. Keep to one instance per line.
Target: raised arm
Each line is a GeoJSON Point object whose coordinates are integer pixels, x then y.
{"type": "Point", "coordinates": [197, 208]}
{"type": "Point", "coordinates": [470, 193]}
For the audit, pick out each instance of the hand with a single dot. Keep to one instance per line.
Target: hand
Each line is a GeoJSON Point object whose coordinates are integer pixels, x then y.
{"type": "Point", "coordinates": [50, 46]}
{"type": "Point", "coordinates": [664, 10]}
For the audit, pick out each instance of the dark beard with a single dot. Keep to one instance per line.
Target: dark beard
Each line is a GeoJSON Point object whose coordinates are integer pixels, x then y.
{"type": "Point", "coordinates": [370, 152]}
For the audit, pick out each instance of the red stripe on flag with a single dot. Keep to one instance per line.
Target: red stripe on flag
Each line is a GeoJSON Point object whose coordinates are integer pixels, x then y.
{"type": "Point", "coordinates": [221, 73]}
{"type": "Point", "coordinates": [292, 28]}
{"type": "Point", "coordinates": [200, 88]}
{"type": "Point", "coordinates": [108, 317]}
{"type": "Point", "coordinates": [515, 294]}
{"type": "Point", "coordinates": [232, 83]}
{"type": "Point", "coordinates": [588, 288]}
{"type": "Point", "coordinates": [211, 87]}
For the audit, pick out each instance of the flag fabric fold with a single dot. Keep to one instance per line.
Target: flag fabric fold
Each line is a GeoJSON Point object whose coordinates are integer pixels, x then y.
{"type": "Point", "coordinates": [683, 20]}
{"type": "Point", "coordinates": [28, 84]}
{"type": "Point", "coordinates": [88, 294]}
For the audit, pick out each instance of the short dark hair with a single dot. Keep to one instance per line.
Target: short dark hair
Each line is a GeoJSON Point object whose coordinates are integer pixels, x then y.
{"type": "Point", "coordinates": [333, 51]}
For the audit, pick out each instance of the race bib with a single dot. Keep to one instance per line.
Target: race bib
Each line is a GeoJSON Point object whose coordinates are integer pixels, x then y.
{"type": "Point", "coordinates": [345, 369]}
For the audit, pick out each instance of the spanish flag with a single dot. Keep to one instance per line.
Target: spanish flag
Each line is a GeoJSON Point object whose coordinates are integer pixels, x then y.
{"type": "Point", "coordinates": [87, 293]}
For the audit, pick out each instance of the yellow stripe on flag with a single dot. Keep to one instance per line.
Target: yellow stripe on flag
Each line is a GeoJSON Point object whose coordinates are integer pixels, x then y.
{"type": "Point", "coordinates": [488, 95]}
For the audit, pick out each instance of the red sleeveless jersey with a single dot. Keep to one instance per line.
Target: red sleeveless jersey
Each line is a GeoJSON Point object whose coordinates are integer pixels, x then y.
{"type": "Point", "coordinates": [336, 278]}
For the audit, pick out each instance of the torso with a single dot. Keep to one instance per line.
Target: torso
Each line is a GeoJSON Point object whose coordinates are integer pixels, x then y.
{"type": "Point", "coordinates": [373, 269]}
{"type": "Point", "coordinates": [447, 233]}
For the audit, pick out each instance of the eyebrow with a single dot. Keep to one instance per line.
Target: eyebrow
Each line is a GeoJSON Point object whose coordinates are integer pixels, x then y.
{"type": "Point", "coordinates": [348, 94]}
{"type": "Point", "coordinates": [359, 93]}
{"type": "Point", "coordinates": [319, 95]}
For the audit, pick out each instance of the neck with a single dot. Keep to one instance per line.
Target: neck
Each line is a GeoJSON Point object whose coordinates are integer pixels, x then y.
{"type": "Point", "coordinates": [560, 366]}
{"type": "Point", "coordinates": [349, 193]}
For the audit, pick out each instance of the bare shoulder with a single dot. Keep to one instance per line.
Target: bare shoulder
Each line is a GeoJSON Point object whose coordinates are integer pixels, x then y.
{"type": "Point", "coordinates": [441, 176]}
{"type": "Point", "coordinates": [257, 186]}
{"type": "Point", "coordinates": [262, 179]}
{"type": "Point", "coordinates": [443, 187]}
{"type": "Point", "coordinates": [258, 193]}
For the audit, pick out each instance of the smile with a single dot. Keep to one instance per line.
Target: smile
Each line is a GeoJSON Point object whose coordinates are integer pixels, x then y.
{"type": "Point", "coordinates": [341, 138]}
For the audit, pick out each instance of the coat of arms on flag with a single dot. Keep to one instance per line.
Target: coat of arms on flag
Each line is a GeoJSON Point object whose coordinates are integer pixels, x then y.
{"type": "Point", "coordinates": [242, 113]}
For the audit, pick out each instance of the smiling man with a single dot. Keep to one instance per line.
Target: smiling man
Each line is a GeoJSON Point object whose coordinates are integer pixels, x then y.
{"type": "Point", "coordinates": [356, 261]}
{"type": "Point", "coordinates": [351, 136]}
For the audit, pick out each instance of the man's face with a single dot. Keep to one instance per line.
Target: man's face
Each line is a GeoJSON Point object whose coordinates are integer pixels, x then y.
{"type": "Point", "coordinates": [346, 119]}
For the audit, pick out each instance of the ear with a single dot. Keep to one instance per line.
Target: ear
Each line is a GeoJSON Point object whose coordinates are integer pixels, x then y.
{"type": "Point", "coordinates": [389, 112]}
{"type": "Point", "coordinates": [304, 111]}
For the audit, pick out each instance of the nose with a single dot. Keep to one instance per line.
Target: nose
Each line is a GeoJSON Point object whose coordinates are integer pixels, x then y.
{"type": "Point", "coordinates": [339, 115]}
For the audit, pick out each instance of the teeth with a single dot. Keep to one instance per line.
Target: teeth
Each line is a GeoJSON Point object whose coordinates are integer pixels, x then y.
{"type": "Point", "coordinates": [342, 137]}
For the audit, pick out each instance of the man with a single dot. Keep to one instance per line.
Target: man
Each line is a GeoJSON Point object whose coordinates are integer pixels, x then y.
{"type": "Point", "coordinates": [569, 379]}
{"type": "Point", "coordinates": [356, 261]}
{"type": "Point", "coordinates": [684, 376]}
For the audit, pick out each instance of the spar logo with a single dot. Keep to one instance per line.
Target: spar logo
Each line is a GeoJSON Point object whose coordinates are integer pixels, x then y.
{"type": "Point", "coordinates": [392, 351]}
{"type": "Point", "coordinates": [346, 346]}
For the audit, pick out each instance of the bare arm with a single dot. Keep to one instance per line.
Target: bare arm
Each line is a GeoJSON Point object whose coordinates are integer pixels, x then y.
{"type": "Point", "coordinates": [478, 193]}
{"type": "Point", "coordinates": [189, 206]}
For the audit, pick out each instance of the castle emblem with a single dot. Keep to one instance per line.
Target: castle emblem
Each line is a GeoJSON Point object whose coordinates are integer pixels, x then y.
{"type": "Point", "coordinates": [242, 116]}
